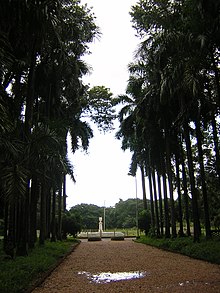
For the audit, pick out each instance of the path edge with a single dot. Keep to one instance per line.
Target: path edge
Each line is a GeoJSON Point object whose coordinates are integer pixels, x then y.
{"type": "Point", "coordinates": [42, 277]}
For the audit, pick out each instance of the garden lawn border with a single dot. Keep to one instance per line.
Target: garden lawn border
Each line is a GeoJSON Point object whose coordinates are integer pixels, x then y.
{"type": "Point", "coordinates": [41, 277]}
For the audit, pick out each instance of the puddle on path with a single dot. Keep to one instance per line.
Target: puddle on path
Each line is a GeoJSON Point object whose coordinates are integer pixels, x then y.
{"type": "Point", "coordinates": [103, 278]}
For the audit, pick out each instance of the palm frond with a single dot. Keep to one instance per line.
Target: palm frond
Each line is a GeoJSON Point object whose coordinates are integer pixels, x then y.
{"type": "Point", "coordinates": [14, 182]}
{"type": "Point", "coordinates": [80, 133]}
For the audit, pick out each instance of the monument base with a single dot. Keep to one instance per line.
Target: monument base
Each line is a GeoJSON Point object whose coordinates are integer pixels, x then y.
{"type": "Point", "coordinates": [93, 235]}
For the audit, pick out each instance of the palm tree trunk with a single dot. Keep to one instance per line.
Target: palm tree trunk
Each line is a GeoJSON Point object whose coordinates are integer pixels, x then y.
{"type": "Point", "coordinates": [42, 236]}
{"type": "Point", "coordinates": [64, 193]}
{"type": "Point", "coordinates": [33, 211]}
{"type": "Point", "coordinates": [9, 240]}
{"type": "Point", "coordinates": [181, 233]}
{"type": "Point", "coordinates": [24, 222]}
{"type": "Point", "coordinates": [151, 202]}
{"type": "Point", "coordinates": [185, 190]}
{"type": "Point", "coordinates": [6, 208]}
{"type": "Point", "coordinates": [25, 216]}
{"type": "Point", "coordinates": [30, 94]}
{"type": "Point", "coordinates": [203, 180]}
{"type": "Point", "coordinates": [53, 217]}
{"type": "Point", "coordinates": [166, 207]}
{"type": "Point", "coordinates": [196, 221]}
{"type": "Point", "coordinates": [217, 78]}
{"type": "Point", "coordinates": [143, 187]}
{"type": "Point", "coordinates": [170, 181]}
{"type": "Point", "coordinates": [59, 228]}
{"type": "Point", "coordinates": [216, 144]}
{"type": "Point", "coordinates": [215, 134]}
{"type": "Point", "coordinates": [156, 204]}
{"type": "Point", "coordinates": [48, 213]}
{"type": "Point", "coordinates": [160, 203]}
{"type": "Point", "coordinates": [22, 229]}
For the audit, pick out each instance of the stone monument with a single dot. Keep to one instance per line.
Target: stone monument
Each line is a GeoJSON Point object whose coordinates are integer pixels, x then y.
{"type": "Point", "coordinates": [96, 236]}
{"type": "Point", "coordinates": [100, 225]}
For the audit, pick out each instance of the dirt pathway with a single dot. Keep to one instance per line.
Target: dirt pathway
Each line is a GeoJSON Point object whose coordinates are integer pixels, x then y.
{"type": "Point", "coordinates": [162, 271]}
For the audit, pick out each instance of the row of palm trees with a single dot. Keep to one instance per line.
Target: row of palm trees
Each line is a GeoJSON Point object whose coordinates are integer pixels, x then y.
{"type": "Point", "coordinates": [42, 101]}
{"type": "Point", "coordinates": [169, 118]}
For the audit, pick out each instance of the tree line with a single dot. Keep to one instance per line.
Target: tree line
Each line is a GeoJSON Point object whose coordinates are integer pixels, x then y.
{"type": "Point", "coordinates": [170, 114]}
{"type": "Point", "coordinates": [43, 100]}
{"type": "Point", "coordinates": [125, 214]}
{"type": "Point", "coordinates": [122, 215]}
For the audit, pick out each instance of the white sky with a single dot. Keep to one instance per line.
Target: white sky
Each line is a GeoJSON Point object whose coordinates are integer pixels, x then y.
{"type": "Point", "coordinates": [101, 175]}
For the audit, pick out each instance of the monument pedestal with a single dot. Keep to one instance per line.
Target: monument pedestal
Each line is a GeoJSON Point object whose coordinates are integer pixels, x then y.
{"type": "Point", "coordinates": [97, 236]}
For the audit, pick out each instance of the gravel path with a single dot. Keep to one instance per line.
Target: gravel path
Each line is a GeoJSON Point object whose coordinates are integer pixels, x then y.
{"type": "Point", "coordinates": [164, 271]}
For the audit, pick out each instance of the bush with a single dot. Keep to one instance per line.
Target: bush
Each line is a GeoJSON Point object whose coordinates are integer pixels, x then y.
{"type": "Point", "coordinates": [70, 224]}
{"type": "Point", "coordinates": [208, 250]}
{"type": "Point", "coordinates": [144, 222]}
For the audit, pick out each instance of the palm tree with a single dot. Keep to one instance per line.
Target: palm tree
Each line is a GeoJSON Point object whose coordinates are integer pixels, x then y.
{"type": "Point", "coordinates": [49, 45]}
{"type": "Point", "coordinates": [174, 74]}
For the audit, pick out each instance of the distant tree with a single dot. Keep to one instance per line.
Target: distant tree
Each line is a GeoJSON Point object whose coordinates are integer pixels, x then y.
{"type": "Point", "coordinates": [126, 212]}
{"type": "Point", "coordinates": [122, 215]}
{"type": "Point", "coordinates": [71, 224]}
{"type": "Point", "coordinates": [100, 106]}
{"type": "Point", "coordinates": [89, 215]}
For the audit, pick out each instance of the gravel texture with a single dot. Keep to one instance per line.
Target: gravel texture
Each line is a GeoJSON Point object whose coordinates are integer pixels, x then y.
{"type": "Point", "coordinates": [164, 271]}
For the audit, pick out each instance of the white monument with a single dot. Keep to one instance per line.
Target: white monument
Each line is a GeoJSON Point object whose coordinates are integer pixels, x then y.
{"type": "Point", "coordinates": [100, 224]}
{"type": "Point", "coordinates": [94, 236]}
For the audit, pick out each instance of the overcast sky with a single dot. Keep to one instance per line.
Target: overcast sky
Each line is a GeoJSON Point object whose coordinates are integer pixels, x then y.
{"type": "Point", "coordinates": [101, 175]}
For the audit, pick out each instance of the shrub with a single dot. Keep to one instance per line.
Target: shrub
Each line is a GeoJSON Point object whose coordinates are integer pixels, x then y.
{"type": "Point", "coordinates": [70, 224]}
{"type": "Point", "coordinates": [208, 250]}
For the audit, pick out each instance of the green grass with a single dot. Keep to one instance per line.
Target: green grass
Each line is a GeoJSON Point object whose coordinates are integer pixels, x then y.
{"type": "Point", "coordinates": [17, 275]}
{"type": "Point", "coordinates": [208, 250]}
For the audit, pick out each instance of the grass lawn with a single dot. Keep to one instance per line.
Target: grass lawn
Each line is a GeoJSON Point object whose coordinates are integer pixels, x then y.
{"type": "Point", "coordinates": [17, 275]}
{"type": "Point", "coordinates": [208, 250]}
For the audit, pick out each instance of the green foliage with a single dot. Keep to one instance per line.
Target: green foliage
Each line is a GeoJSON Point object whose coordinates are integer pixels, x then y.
{"type": "Point", "coordinates": [216, 221]}
{"type": "Point", "coordinates": [144, 222]}
{"type": "Point", "coordinates": [208, 250]}
{"type": "Point", "coordinates": [100, 107]}
{"type": "Point", "coordinates": [89, 215]}
{"type": "Point", "coordinates": [71, 224]}
{"type": "Point", "coordinates": [16, 275]}
{"type": "Point", "coordinates": [125, 212]}
{"type": "Point", "coordinates": [122, 215]}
